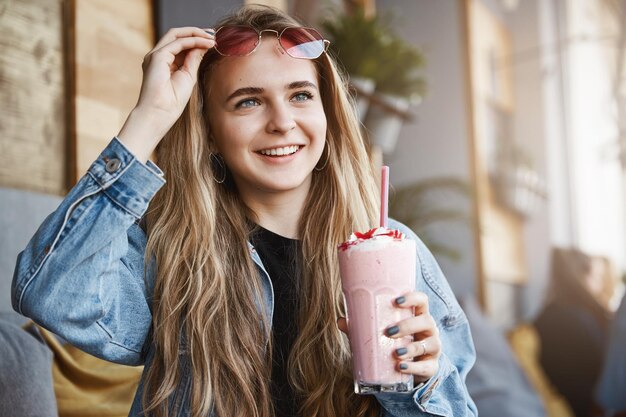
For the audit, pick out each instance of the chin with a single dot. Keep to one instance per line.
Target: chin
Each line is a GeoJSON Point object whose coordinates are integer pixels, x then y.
{"type": "Point", "coordinates": [288, 183]}
{"type": "Point", "coordinates": [283, 187]}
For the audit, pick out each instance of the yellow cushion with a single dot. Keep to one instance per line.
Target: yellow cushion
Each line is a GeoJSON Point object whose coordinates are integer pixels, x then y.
{"type": "Point", "coordinates": [86, 386]}
{"type": "Point", "coordinates": [524, 342]}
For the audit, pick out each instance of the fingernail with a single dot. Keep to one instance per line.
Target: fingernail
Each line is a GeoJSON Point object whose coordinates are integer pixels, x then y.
{"type": "Point", "coordinates": [401, 351]}
{"type": "Point", "coordinates": [404, 366]}
{"type": "Point", "coordinates": [210, 31]}
{"type": "Point", "coordinates": [400, 300]}
{"type": "Point", "coordinates": [392, 330]}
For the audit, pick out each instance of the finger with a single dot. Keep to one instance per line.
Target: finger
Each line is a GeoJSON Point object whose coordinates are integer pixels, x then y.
{"type": "Point", "coordinates": [428, 347]}
{"type": "Point", "coordinates": [175, 54]}
{"type": "Point", "coordinates": [192, 61]}
{"type": "Point", "coordinates": [342, 323]}
{"type": "Point", "coordinates": [416, 300]}
{"type": "Point", "coordinates": [421, 370]}
{"type": "Point", "coordinates": [179, 60]}
{"type": "Point", "coordinates": [418, 325]}
{"type": "Point", "coordinates": [172, 49]}
{"type": "Point", "coordinates": [184, 32]}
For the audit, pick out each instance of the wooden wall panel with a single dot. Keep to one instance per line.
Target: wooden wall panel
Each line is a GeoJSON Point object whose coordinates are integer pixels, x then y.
{"type": "Point", "coordinates": [279, 4]}
{"type": "Point", "coordinates": [32, 96]}
{"type": "Point", "coordinates": [111, 39]}
{"type": "Point", "coordinates": [501, 230]}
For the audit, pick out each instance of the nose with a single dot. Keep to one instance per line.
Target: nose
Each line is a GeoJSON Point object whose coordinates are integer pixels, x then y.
{"type": "Point", "coordinates": [280, 119]}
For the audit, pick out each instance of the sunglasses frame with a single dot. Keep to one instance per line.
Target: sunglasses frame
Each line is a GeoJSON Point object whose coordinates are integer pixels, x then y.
{"type": "Point", "coordinates": [326, 42]}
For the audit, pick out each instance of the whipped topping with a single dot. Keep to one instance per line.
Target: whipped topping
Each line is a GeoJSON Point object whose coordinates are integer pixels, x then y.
{"type": "Point", "coordinates": [379, 233]}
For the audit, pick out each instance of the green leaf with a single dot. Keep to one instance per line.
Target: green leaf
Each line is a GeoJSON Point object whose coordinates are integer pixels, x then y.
{"type": "Point", "coordinates": [422, 204]}
{"type": "Point", "coordinates": [367, 47]}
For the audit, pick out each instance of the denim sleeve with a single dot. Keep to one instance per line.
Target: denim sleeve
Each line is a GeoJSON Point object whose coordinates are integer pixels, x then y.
{"type": "Point", "coordinates": [445, 394]}
{"type": "Point", "coordinates": [82, 274]}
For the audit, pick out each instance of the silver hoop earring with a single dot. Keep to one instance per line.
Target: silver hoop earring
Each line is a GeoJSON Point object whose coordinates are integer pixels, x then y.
{"type": "Point", "coordinates": [218, 166]}
{"type": "Point", "coordinates": [318, 169]}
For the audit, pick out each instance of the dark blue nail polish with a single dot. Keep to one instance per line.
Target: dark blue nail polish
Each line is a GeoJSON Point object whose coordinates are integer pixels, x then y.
{"type": "Point", "coordinates": [404, 366]}
{"type": "Point", "coordinates": [401, 351]}
{"type": "Point", "coordinates": [400, 300]}
{"type": "Point", "coordinates": [392, 330]}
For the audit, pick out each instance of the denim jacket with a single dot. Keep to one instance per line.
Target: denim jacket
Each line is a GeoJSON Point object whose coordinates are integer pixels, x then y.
{"type": "Point", "coordinates": [82, 276]}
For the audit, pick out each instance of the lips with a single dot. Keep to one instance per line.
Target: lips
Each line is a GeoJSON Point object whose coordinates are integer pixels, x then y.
{"type": "Point", "coordinates": [280, 151]}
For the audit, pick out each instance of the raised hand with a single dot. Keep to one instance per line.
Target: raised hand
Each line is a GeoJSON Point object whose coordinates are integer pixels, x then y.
{"type": "Point", "coordinates": [169, 75]}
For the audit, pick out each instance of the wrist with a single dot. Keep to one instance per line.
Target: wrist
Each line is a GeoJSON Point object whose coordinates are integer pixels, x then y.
{"type": "Point", "coordinates": [141, 133]}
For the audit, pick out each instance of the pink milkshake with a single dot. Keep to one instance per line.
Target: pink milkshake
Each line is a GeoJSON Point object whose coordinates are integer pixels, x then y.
{"type": "Point", "coordinates": [377, 267]}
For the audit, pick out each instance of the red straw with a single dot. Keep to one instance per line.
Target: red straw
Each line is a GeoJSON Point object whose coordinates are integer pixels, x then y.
{"type": "Point", "coordinates": [384, 195]}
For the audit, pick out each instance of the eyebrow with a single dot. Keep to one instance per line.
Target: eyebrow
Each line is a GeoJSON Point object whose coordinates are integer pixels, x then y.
{"type": "Point", "coordinates": [245, 91]}
{"type": "Point", "coordinates": [258, 90]}
{"type": "Point", "coordinates": [301, 84]}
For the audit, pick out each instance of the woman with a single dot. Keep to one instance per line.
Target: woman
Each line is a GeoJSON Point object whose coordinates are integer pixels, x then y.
{"type": "Point", "coordinates": [236, 309]}
{"type": "Point", "coordinates": [573, 326]}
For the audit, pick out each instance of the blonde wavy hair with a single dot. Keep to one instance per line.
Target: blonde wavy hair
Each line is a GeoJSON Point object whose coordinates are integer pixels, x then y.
{"type": "Point", "coordinates": [207, 318]}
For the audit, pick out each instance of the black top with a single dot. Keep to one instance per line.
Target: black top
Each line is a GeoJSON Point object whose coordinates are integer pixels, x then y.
{"type": "Point", "coordinates": [280, 258]}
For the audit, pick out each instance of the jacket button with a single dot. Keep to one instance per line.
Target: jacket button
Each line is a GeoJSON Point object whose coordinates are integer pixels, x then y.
{"type": "Point", "coordinates": [429, 392]}
{"type": "Point", "coordinates": [112, 165]}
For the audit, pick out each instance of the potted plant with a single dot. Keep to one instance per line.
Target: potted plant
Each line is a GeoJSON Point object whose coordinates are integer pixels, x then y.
{"type": "Point", "coordinates": [383, 68]}
{"type": "Point", "coordinates": [518, 185]}
{"type": "Point", "coordinates": [355, 40]}
{"type": "Point", "coordinates": [399, 85]}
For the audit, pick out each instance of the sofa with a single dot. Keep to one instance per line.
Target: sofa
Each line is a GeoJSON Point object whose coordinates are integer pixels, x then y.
{"type": "Point", "coordinates": [21, 212]}
{"type": "Point", "coordinates": [505, 382]}
{"type": "Point", "coordinates": [507, 379]}
{"type": "Point", "coordinates": [59, 379]}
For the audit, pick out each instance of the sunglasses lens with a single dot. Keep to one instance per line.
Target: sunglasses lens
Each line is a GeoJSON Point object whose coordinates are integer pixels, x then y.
{"type": "Point", "coordinates": [302, 42]}
{"type": "Point", "coordinates": [236, 40]}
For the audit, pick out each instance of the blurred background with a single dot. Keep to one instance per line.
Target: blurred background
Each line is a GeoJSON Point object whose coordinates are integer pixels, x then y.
{"type": "Point", "coordinates": [502, 122]}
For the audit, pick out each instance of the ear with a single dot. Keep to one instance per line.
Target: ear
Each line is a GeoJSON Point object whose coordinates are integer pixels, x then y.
{"type": "Point", "coordinates": [213, 147]}
{"type": "Point", "coordinates": [342, 324]}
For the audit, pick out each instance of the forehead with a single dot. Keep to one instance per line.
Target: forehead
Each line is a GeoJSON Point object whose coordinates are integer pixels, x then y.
{"type": "Point", "coordinates": [267, 67]}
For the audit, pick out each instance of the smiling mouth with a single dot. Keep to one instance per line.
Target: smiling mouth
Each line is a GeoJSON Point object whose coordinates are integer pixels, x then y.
{"type": "Point", "coordinates": [282, 151]}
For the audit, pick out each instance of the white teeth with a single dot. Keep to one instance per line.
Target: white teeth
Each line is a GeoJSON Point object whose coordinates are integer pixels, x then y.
{"type": "Point", "coordinates": [286, 150]}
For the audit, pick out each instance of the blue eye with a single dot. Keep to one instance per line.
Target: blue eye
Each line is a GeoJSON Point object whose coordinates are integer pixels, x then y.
{"type": "Point", "coordinates": [302, 96]}
{"type": "Point", "coordinates": [249, 102]}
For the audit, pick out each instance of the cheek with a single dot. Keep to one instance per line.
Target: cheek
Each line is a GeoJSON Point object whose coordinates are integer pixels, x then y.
{"type": "Point", "coordinates": [230, 135]}
{"type": "Point", "coordinates": [317, 123]}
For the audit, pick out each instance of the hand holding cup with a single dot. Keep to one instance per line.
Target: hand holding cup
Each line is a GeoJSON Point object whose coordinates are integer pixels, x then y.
{"type": "Point", "coordinates": [421, 357]}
